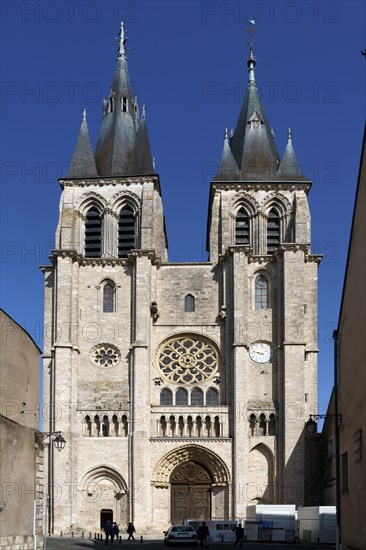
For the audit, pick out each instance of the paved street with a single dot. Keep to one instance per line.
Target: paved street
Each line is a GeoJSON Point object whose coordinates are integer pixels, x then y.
{"type": "Point", "coordinates": [57, 543]}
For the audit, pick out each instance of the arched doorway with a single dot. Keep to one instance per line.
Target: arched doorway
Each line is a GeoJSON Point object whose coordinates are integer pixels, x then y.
{"type": "Point", "coordinates": [190, 492]}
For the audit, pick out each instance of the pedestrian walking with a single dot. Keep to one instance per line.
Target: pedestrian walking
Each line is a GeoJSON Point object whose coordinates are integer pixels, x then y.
{"type": "Point", "coordinates": [108, 529]}
{"type": "Point", "coordinates": [239, 533]}
{"type": "Point", "coordinates": [130, 530]}
{"type": "Point", "coordinates": [115, 531]}
{"type": "Point", "coordinates": [203, 533]}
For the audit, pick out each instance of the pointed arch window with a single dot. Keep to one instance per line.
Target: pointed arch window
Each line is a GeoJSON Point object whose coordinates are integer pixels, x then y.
{"type": "Point", "coordinates": [181, 397]}
{"type": "Point", "coordinates": [242, 235]}
{"type": "Point", "coordinates": [124, 104]}
{"type": "Point", "coordinates": [261, 292]}
{"type": "Point", "coordinates": [273, 231]}
{"type": "Point", "coordinates": [109, 291]}
{"type": "Point", "coordinates": [189, 303]}
{"type": "Point", "coordinates": [126, 231]}
{"type": "Point", "coordinates": [93, 233]}
{"type": "Point", "coordinates": [196, 397]}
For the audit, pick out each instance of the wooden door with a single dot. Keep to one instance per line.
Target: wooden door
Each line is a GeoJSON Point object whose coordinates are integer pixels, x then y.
{"type": "Point", "coordinates": [190, 493]}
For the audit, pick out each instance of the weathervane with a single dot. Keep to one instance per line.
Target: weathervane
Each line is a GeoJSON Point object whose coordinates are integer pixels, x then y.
{"type": "Point", "coordinates": [250, 32]}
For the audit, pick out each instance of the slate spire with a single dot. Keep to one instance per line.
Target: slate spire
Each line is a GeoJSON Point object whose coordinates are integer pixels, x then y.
{"type": "Point", "coordinates": [82, 163]}
{"type": "Point", "coordinates": [253, 144]}
{"type": "Point", "coordinates": [114, 152]}
{"type": "Point", "coordinates": [142, 151]}
{"type": "Point", "coordinates": [289, 167]}
{"type": "Point", "coordinates": [228, 169]}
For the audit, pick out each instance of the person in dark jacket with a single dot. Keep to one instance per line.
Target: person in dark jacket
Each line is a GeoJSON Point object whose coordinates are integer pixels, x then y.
{"type": "Point", "coordinates": [108, 529]}
{"type": "Point", "coordinates": [203, 533]}
{"type": "Point", "coordinates": [239, 532]}
{"type": "Point", "coordinates": [130, 530]}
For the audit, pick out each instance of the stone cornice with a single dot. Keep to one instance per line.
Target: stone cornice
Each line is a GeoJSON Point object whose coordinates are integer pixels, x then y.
{"type": "Point", "coordinates": [112, 181]}
{"type": "Point", "coordinates": [261, 186]}
{"type": "Point", "coordinates": [103, 262]}
{"type": "Point", "coordinates": [195, 440]}
{"type": "Point", "coordinates": [145, 253]}
{"type": "Point", "coordinates": [100, 182]}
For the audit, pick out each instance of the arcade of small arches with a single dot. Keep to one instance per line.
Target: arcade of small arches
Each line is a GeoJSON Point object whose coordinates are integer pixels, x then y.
{"type": "Point", "coordinates": [190, 426]}
{"type": "Point", "coordinates": [104, 426]}
{"type": "Point", "coordinates": [262, 424]}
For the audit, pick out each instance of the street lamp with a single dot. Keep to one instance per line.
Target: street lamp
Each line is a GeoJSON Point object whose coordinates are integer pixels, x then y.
{"type": "Point", "coordinates": [59, 441]}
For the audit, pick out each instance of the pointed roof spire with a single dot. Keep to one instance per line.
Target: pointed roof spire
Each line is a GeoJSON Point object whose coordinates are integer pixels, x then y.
{"type": "Point", "coordinates": [228, 169]}
{"type": "Point", "coordinates": [114, 151]}
{"type": "Point", "coordinates": [253, 144]}
{"type": "Point", "coordinates": [122, 42]}
{"type": "Point", "coordinates": [289, 167]}
{"type": "Point", "coordinates": [144, 164]}
{"type": "Point", "coordinates": [82, 163]}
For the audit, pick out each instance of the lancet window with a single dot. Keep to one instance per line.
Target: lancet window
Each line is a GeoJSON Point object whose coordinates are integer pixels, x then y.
{"type": "Point", "coordinates": [189, 303]}
{"type": "Point", "coordinates": [126, 231]}
{"type": "Point", "coordinates": [109, 291]}
{"type": "Point", "coordinates": [242, 235]}
{"type": "Point", "coordinates": [273, 231]}
{"type": "Point", "coordinates": [261, 292]}
{"type": "Point", "coordinates": [93, 233]}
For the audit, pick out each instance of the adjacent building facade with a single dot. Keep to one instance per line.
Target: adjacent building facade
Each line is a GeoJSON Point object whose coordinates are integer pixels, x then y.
{"type": "Point", "coordinates": [352, 378]}
{"type": "Point", "coordinates": [182, 389]}
{"type": "Point", "coordinates": [21, 447]}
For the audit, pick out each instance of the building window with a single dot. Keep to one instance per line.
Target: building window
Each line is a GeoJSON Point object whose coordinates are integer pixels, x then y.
{"type": "Point", "coordinates": [261, 292]}
{"type": "Point", "coordinates": [252, 424]}
{"type": "Point", "coordinates": [242, 227]}
{"type": "Point", "coordinates": [108, 298]}
{"type": "Point", "coordinates": [262, 424]}
{"type": "Point", "coordinates": [357, 439]}
{"type": "Point", "coordinates": [124, 104]}
{"type": "Point", "coordinates": [105, 355]}
{"type": "Point", "coordinates": [212, 397]}
{"type": "Point", "coordinates": [196, 397]}
{"type": "Point", "coordinates": [166, 397]}
{"type": "Point", "coordinates": [181, 397]}
{"type": "Point", "coordinates": [272, 425]}
{"type": "Point", "coordinates": [344, 473]}
{"type": "Point", "coordinates": [93, 234]}
{"type": "Point", "coordinates": [273, 231]}
{"type": "Point", "coordinates": [126, 231]}
{"type": "Point", "coordinates": [189, 305]}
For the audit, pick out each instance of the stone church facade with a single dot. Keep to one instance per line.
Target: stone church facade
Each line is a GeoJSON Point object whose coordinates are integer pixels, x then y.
{"type": "Point", "coordinates": [182, 389]}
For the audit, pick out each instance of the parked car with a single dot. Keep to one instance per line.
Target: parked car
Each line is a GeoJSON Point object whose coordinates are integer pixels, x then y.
{"type": "Point", "coordinates": [180, 534]}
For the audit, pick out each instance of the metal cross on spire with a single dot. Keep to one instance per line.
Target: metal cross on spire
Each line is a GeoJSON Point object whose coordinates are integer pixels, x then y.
{"type": "Point", "coordinates": [251, 30]}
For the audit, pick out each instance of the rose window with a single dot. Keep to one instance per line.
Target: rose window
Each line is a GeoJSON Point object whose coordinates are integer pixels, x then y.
{"type": "Point", "coordinates": [105, 356]}
{"type": "Point", "coordinates": [187, 360]}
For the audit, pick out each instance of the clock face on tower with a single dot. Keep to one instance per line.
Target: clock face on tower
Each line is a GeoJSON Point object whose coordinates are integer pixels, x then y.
{"type": "Point", "coordinates": [260, 352]}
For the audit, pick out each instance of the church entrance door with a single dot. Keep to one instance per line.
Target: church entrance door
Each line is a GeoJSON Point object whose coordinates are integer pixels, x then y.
{"type": "Point", "coordinates": [190, 492]}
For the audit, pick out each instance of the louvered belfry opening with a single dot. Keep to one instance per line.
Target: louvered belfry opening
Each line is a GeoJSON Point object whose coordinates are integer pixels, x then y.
{"type": "Point", "coordinates": [93, 234]}
{"type": "Point", "coordinates": [242, 227]}
{"type": "Point", "coordinates": [273, 231]}
{"type": "Point", "coordinates": [126, 231]}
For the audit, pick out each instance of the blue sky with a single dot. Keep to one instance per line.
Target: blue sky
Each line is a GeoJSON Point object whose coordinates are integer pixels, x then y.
{"type": "Point", "coordinates": [187, 62]}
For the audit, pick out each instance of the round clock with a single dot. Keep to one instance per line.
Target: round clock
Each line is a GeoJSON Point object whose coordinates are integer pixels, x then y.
{"type": "Point", "coordinates": [260, 352]}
